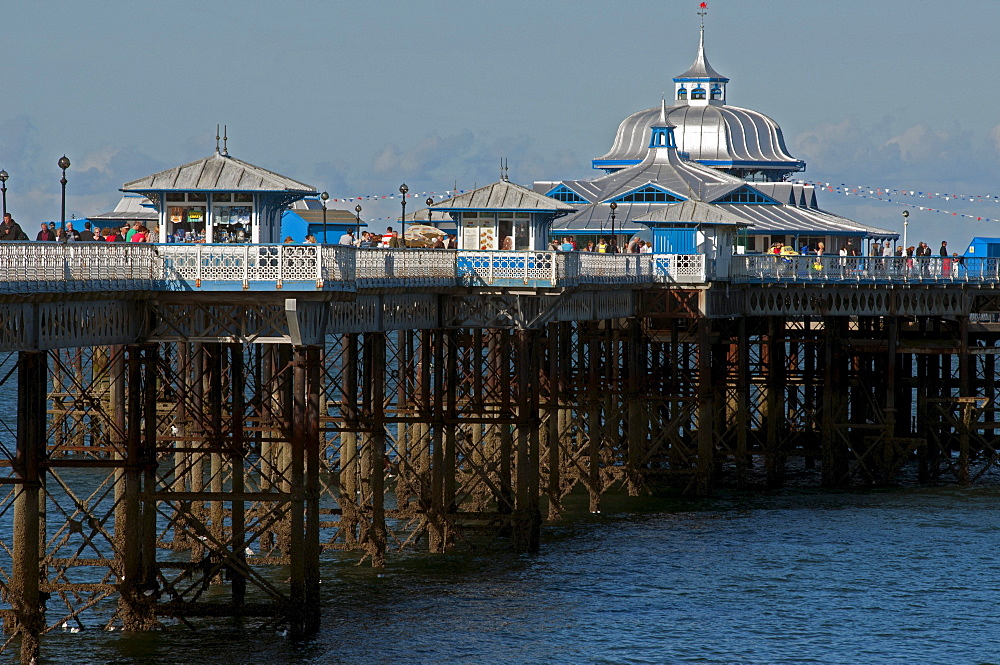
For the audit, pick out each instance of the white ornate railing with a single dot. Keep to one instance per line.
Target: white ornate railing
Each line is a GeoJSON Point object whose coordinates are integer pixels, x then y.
{"type": "Point", "coordinates": [42, 267]}
{"type": "Point", "coordinates": [615, 268]}
{"type": "Point", "coordinates": [27, 266]}
{"type": "Point", "coordinates": [889, 269]}
{"type": "Point", "coordinates": [256, 263]}
{"type": "Point", "coordinates": [680, 268]}
{"type": "Point", "coordinates": [505, 267]}
{"type": "Point", "coordinates": [387, 268]}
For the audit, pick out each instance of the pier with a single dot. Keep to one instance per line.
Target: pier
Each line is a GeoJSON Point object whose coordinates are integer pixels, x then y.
{"type": "Point", "coordinates": [198, 426]}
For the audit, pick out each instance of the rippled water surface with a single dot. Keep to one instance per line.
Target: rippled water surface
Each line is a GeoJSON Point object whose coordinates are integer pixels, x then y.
{"type": "Point", "coordinates": [900, 576]}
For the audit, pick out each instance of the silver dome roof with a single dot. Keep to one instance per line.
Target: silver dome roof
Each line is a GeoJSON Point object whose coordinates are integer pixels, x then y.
{"type": "Point", "coordinates": [717, 135]}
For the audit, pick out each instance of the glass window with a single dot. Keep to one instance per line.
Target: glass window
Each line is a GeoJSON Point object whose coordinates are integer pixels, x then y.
{"type": "Point", "coordinates": [521, 231]}
{"type": "Point", "coordinates": [221, 197]}
{"type": "Point", "coordinates": [698, 93]}
{"type": "Point", "coordinates": [175, 196]}
{"type": "Point", "coordinates": [682, 93]}
{"type": "Point", "coordinates": [505, 231]}
{"type": "Point", "coordinates": [197, 196]}
{"type": "Point", "coordinates": [243, 197]}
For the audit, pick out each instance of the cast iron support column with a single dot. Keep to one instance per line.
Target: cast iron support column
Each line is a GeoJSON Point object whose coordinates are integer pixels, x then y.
{"type": "Point", "coordinates": [435, 510]}
{"type": "Point", "coordinates": [376, 449]}
{"type": "Point", "coordinates": [526, 519]}
{"type": "Point", "coordinates": [237, 520]}
{"type": "Point", "coordinates": [706, 410]}
{"type": "Point", "coordinates": [347, 496]}
{"type": "Point", "coordinates": [25, 599]}
{"type": "Point", "coordinates": [743, 458]}
{"type": "Point", "coordinates": [834, 470]}
{"type": "Point", "coordinates": [556, 343]}
{"type": "Point", "coordinates": [776, 445]}
{"type": "Point", "coordinates": [637, 424]}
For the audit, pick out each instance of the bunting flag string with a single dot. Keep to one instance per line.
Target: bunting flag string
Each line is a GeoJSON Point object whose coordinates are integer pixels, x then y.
{"type": "Point", "coordinates": [900, 196]}
{"type": "Point", "coordinates": [410, 195]}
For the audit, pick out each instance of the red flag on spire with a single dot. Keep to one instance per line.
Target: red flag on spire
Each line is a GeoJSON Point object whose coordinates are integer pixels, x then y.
{"type": "Point", "coordinates": [704, 5]}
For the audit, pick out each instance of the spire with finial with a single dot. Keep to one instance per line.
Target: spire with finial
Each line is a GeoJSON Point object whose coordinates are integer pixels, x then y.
{"type": "Point", "coordinates": [225, 139]}
{"type": "Point", "coordinates": [701, 84]}
{"type": "Point", "coordinates": [216, 139]}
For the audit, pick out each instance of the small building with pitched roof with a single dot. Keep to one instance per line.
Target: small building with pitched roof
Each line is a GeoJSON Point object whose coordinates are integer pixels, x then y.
{"type": "Point", "coordinates": [503, 216]}
{"type": "Point", "coordinates": [219, 199]}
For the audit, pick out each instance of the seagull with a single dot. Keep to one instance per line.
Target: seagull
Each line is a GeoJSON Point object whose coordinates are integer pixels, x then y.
{"type": "Point", "coordinates": [282, 633]}
{"type": "Point", "coordinates": [74, 630]}
{"type": "Point", "coordinates": [248, 551]}
{"type": "Point", "coordinates": [65, 625]}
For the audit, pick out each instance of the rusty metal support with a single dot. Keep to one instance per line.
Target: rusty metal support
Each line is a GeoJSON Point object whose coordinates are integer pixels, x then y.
{"type": "Point", "coordinates": [25, 598]}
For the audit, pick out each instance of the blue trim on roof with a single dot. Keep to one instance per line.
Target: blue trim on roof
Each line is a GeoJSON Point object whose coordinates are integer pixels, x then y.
{"type": "Point", "coordinates": [648, 189]}
{"type": "Point", "coordinates": [753, 196]}
{"type": "Point", "coordinates": [701, 79]}
{"type": "Point", "coordinates": [567, 195]}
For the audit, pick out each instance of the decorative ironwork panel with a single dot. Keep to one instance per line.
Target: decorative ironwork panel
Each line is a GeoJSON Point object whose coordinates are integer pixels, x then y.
{"type": "Point", "coordinates": [72, 267]}
{"type": "Point", "coordinates": [615, 268]}
{"type": "Point", "coordinates": [394, 268]}
{"type": "Point", "coordinates": [679, 268]}
{"type": "Point", "coordinates": [510, 268]}
{"type": "Point", "coordinates": [410, 312]}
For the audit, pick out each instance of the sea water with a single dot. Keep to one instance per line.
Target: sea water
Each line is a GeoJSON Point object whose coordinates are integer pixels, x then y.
{"type": "Point", "coordinates": [907, 575]}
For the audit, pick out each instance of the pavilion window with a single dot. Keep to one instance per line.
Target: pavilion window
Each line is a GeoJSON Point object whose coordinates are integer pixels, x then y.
{"type": "Point", "coordinates": [698, 93]}
{"type": "Point", "coordinates": [682, 93]}
{"type": "Point", "coordinates": [716, 93]}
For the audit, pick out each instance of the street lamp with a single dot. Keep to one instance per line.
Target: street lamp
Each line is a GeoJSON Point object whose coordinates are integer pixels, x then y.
{"type": "Point", "coordinates": [614, 245]}
{"type": "Point", "coordinates": [3, 188]}
{"type": "Point", "coordinates": [906, 222]}
{"type": "Point", "coordinates": [357, 229]}
{"type": "Point", "coordinates": [403, 189]}
{"type": "Point", "coordinates": [63, 164]}
{"type": "Point", "coordinates": [324, 197]}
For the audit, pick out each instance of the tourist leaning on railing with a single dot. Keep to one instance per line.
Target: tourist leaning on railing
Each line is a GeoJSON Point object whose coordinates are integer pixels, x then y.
{"type": "Point", "coordinates": [46, 234]}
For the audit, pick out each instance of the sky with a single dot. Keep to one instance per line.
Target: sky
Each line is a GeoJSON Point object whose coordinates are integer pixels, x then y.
{"type": "Point", "coordinates": [355, 98]}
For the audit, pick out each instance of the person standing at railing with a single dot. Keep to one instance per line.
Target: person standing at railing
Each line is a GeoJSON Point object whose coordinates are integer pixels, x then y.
{"type": "Point", "coordinates": [46, 234]}
{"type": "Point", "coordinates": [11, 230]}
{"type": "Point", "coordinates": [86, 235]}
{"type": "Point", "coordinates": [566, 246]}
{"type": "Point", "coordinates": [602, 246]}
{"type": "Point", "coordinates": [451, 242]}
{"type": "Point", "coordinates": [924, 258]}
{"type": "Point", "coordinates": [68, 233]}
{"type": "Point", "coordinates": [347, 238]}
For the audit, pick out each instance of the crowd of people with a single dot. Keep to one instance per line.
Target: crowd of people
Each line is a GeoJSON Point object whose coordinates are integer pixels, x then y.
{"type": "Point", "coordinates": [135, 232]}
{"type": "Point", "coordinates": [602, 246]}
{"type": "Point", "coordinates": [919, 258]}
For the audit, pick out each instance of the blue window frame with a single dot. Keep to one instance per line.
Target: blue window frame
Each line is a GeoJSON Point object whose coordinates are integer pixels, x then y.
{"type": "Point", "coordinates": [566, 195]}
{"type": "Point", "coordinates": [746, 195]}
{"type": "Point", "coordinates": [648, 194]}
{"type": "Point", "coordinates": [682, 93]}
{"type": "Point", "coordinates": [698, 93]}
{"type": "Point", "coordinates": [716, 92]}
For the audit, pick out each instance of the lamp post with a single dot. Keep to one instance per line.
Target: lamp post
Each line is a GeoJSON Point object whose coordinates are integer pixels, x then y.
{"type": "Point", "coordinates": [3, 188]}
{"type": "Point", "coordinates": [357, 228]}
{"type": "Point", "coordinates": [324, 197]}
{"type": "Point", "coordinates": [906, 222]}
{"type": "Point", "coordinates": [614, 245]}
{"type": "Point", "coordinates": [63, 164]}
{"type": "Point", "coordinates": [403, 189]}
{"type": "Point", "coordinates": [429, 203]}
